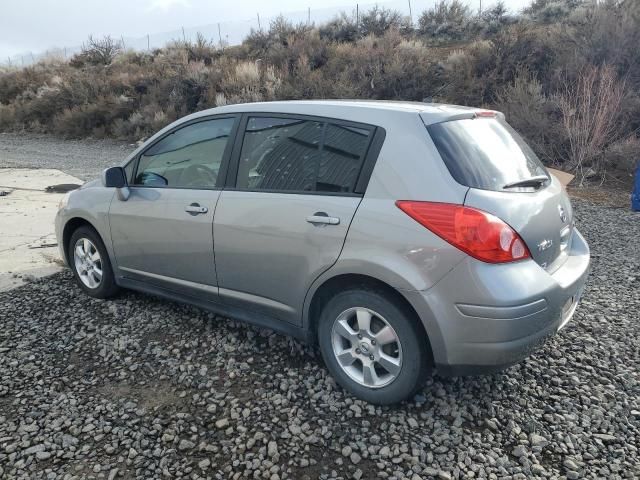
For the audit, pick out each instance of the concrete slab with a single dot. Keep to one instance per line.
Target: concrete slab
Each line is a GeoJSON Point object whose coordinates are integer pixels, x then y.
{"type": "Point", "coordinates": [28, 245]}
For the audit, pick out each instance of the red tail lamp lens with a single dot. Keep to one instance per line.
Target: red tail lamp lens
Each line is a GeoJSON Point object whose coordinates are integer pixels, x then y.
{"type": "Point", "coordinates": [475, 232]}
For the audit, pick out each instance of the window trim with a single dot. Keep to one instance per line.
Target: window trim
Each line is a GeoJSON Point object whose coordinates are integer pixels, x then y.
{"type": "Point", "coordinates": [228, 150]}
{"type": "Point", "coordinates": [377, 135]}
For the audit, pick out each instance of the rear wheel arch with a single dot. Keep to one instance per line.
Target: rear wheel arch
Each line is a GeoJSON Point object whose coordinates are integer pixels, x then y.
{"type": "Point", "coordinates": [343, 282]}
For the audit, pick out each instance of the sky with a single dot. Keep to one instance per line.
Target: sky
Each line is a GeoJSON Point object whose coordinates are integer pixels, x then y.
{"type": "Point", "coordinates": [35, 26]}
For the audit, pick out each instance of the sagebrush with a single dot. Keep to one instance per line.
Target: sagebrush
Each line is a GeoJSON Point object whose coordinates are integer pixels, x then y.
{"type": "Point", "coordinates": [532, 66]}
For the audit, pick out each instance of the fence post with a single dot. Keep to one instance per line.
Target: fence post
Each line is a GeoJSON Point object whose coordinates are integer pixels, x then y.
{"type": "Point", "coordinates": [357, 19]}
{"type": "Point", "coordinates": [410, 13]}
{"type": "Point", "coordinates": [308, 15]}
{"type": "Point", "coordinates": [259, 27]}
{"type": "Point", "coordinates": [148, 43]}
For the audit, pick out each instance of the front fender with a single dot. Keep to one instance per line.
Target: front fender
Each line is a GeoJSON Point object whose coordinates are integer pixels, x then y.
{"type": "Point", "coordinates": [90, 205]}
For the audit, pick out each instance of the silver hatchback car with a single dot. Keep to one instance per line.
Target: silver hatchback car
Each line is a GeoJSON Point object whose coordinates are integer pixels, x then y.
{"type": "Point", "coordinates": [401, 237]}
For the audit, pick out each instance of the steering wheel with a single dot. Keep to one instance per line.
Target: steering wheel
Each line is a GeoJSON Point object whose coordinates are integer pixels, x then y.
{"type": "Point", "coordinates": [199, 176]}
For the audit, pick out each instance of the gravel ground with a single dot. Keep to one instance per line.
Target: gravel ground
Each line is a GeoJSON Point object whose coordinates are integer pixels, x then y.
{"type": "Point", "coordinates": [84, 159]}
{"type": "Point", "coordinates": [139, 387]}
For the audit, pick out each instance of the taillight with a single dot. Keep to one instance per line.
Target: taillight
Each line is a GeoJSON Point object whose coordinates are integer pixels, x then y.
{"type": "Point", "coordinates": [480, 234]}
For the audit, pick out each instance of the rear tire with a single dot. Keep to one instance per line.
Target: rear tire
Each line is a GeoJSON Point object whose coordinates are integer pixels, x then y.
{"type": "Point", "coordinates": [89, 261]}
{"type": "Point", "coordinates": [373, 346]}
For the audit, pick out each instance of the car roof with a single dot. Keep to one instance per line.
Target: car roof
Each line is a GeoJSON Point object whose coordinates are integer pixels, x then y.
{"type": "Point", "coordinates": [366, 111]}
{"type": "Point", "coordinates": [387, 114]}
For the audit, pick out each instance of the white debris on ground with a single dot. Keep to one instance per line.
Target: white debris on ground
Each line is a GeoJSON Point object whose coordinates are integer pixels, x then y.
{"type": "Point", "coordinates": [28, 245]}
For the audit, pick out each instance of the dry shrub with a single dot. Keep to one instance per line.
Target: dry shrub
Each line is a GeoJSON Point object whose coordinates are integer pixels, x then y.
{"type": "Point", "coordinates": [528, 70]}
{"type": "Point", "coordinates": [446, 21]}
{"type": "Point", "coordinates": [623, 155]}
{"type": "Point", "coordinates": [97, 51]}
{"type": "Point", "coordinates": [7, 117]}
{"type": "Point", "coordinates": [533, 114]}
{"type": "Point", "coordinates": [590, 109]}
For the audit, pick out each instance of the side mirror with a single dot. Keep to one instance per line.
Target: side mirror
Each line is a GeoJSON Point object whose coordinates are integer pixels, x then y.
{"type": "Point", "coordinates": [114, 177]}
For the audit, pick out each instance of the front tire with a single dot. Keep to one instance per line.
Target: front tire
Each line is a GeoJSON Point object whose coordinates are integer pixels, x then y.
{"type": "Point", "coordinates": [89, 261]}
{"type": "Point", "coordinates": [373, 346]}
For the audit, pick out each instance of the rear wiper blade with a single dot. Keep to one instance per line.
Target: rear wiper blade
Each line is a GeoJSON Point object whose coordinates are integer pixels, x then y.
{"type": "Point", "coordinates": [536, 181]}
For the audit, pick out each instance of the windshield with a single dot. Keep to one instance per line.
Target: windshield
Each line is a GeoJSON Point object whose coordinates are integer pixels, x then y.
{"type": "Point", "coordinates": [485, 153]}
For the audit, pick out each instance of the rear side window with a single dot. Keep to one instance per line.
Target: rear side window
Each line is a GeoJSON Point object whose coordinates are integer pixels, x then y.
{"type": "Point", "coordinates": [485, 153]}
{"type": "Point", "coordinates": [300, 155]}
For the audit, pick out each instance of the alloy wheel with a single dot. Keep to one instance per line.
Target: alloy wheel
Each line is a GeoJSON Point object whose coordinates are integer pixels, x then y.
{"type": "Point", "coordinates": [88, 263]}
{"type": "Point", "coordinates": [366, 347]}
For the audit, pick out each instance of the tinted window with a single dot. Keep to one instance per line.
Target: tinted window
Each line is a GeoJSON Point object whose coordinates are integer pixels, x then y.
{"type": "Point", "coordinates": [279, 154]}
{"type": "Point", "coordinates": [188, 157]}
{"type": "Point", "coordinates": [301, 155]}
{"type": "Point", "coordinates": [484, 153]}
{"type": "Point", "coordinates": [343, 152]}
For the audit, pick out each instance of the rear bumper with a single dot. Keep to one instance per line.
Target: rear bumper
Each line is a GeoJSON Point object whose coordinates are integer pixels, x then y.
{"type": "Point", "coordinates": [482, 318]}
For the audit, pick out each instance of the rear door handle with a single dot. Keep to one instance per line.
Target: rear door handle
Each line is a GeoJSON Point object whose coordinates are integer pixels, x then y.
{"type": "Point", "coordinates": [195, 209]}
{"type": "Point", "coordinates": [321, 218]}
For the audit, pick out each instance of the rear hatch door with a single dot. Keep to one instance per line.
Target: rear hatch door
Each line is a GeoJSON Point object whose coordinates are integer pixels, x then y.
{"type": "Point", "coordinates": [506, 179]}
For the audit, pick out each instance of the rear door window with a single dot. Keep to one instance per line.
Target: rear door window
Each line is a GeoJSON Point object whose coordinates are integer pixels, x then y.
{"type": "Point", "coordinates": [301, 155]}
{"type": "Point", "coordinates": [343, 152]}
{"type": "Point", "coordinates": [485, 153]}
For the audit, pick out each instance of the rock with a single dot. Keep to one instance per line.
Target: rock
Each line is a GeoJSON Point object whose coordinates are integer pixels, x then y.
{"type": "Point", "coordinates": [491, 424]}
{"type": "Point", "coordinates": [519, 451]}
{"type": "Point", "coordinates": [222, 423]}
{"type": "Point", "coordinates": [69, 441]}
{"type": "Point", "coordinates": [43, 455]}
{"type": "Point", "coordinates": [537, 469]}
{"type": "Point", "coordinates": [570, 464]}
{"type": "Point", "coordinates": [272, 449]}
{"type": "Point", "coordinates": [35, 448]}
{"type": "Point", "coordinates": [538, 440]}
{"type": "Point", "coordinates": [604, 437]}
{"type": "Point", "coordinates": [118, 382]}
{"type": "Point", "coordinates": [185, 445]}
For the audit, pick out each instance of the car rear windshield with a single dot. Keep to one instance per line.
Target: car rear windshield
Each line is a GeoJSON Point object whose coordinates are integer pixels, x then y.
{"type": "Point", "coordinates": [485, 153]}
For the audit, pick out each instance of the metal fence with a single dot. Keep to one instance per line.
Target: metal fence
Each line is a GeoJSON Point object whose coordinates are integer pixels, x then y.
{"type": "Point", "coordinates": [234, 31]}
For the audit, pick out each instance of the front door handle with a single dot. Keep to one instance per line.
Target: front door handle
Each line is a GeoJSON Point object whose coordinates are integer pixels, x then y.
{"type": "Point", "coordinates": [321, 218]}
{"type": "Point", "coordinates": [195, 209]}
